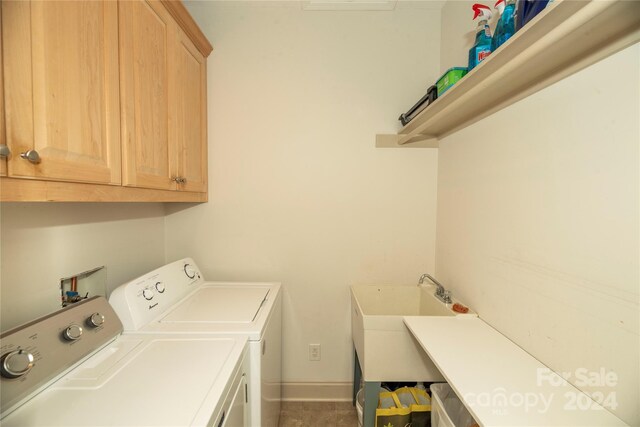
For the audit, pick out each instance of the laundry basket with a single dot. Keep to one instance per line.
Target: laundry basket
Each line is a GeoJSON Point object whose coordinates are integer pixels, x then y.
{"type": "Point", "coordinates": [447, 409]}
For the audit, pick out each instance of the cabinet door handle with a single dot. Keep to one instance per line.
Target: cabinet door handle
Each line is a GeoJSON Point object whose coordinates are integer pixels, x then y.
{"type": "Point", "coordinates": [32, 156]}
{"type": "Point", "coordinates": [4, 151]}
{"type": "Point", "coordinates": [182, 180]}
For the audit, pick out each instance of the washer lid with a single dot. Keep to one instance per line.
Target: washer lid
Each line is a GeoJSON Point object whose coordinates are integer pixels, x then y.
{"type": "Point", "coordinates": [156, 381]}
{"type": "Point", "coordinates": [220, 304]}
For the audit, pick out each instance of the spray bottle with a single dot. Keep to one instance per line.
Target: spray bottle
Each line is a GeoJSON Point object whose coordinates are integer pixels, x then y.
{"type": "Point", "coordinates": [506, 26]}
{"type": "Point", "coordinates": [482, 46]}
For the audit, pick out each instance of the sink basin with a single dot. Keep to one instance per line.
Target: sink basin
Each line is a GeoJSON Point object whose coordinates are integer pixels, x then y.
{"type": "Point", "coordinates": [398, 300]}
{"type": "Point", "coordinates": [386, 349]}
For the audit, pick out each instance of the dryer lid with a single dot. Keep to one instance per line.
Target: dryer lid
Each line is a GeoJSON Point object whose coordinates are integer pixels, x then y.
{"type": "Point", "coordinates": [219, 304]}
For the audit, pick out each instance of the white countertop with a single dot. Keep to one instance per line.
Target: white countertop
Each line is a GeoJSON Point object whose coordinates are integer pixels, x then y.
{"type": "Point", "coordinates": [499, 382]}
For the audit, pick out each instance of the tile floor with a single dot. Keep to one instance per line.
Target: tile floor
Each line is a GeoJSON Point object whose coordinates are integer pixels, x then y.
{"type": "Point", "coordinates": [318, 414]}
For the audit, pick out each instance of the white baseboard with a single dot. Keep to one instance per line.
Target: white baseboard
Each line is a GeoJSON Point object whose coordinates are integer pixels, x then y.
{"type": "Point", "coordinates": [329, 392]}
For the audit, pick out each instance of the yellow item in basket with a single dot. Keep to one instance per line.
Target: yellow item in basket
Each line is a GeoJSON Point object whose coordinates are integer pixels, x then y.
{"type": "Point", "coordinates": [405, 406]}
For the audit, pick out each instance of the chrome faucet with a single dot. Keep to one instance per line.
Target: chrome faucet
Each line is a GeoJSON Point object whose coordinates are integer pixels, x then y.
{"type": "Point", "coordinates": [441, 293]}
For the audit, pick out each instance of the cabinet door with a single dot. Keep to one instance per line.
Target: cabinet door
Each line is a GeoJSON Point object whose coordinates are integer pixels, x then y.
{"type": "Point", "coordinates": [61, 89]}
{"type": "Point", "coordinates": [147, 32]}
{"type": "Point", "coordinates": [190, 114]}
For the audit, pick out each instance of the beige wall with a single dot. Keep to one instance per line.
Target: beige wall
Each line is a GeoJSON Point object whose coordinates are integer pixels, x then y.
{"type": "Point", "coordinates": [40, 243]}
{"type": "Point", "coordinates": [538, 222]}
{"type": "Point", "coordinates": [298, 192]}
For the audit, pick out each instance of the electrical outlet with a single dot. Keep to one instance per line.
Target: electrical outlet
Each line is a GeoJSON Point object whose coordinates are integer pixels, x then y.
{"type": "Point", "coordinates": [314, 352]}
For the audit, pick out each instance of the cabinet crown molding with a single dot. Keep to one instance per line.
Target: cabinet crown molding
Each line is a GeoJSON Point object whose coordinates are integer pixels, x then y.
{"type": "Point", "coordinates": [185, 20]}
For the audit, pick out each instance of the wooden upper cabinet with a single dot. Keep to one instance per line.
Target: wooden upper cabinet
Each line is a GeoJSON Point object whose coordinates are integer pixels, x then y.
{"type": "Point", "coordinates": [190, 121]}
{"type": "Point", "coordinates": [105, 92]}
{"type": "Point", "coordinates": [163, 90]}
{"type": "Point", "coordinates": [62, 89]}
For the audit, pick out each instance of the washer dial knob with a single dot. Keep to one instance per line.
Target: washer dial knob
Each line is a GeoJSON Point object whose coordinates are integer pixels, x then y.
{"type": "Point", "coordinates": [160, 287]}
{"type": "Point", "coordinates": [96, 320]}
{"type": "Point", "coordinates": [189, 271]}
{"type": "Point", "coordinates": [147, 294]}
{"type": "Point", "coordinates": [72, 333]}
{"type": "Point", "coordinates": [16, 363]}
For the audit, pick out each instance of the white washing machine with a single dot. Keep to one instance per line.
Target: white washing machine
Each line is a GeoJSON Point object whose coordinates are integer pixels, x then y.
{"type": "Point", "coordinates": [73, 368]}
{"type": "Point", "coordinates": [175, 299]}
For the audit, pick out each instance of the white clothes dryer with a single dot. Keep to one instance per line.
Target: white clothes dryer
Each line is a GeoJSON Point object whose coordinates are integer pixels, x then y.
{"type": "Point", "coordinates": [175, 299]}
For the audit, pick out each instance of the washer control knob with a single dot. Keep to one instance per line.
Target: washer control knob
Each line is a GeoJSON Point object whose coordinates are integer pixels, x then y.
{"type": "Point", "coordinates": [189, 271]}
{"type": "Point", "coordinates": [160, 287]}
{"type": "Point", "coordinates": [16, 363]}
{"type": "Point", "coordinates": [147, 294]}
{"type": "Point", "coordinates": [96, 320]}
{"type": "Point", "coordinates": [72, 333]}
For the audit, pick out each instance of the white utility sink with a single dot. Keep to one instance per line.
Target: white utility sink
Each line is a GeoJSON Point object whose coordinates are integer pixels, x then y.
{"type": "Point", "coordinates": [386, 349]}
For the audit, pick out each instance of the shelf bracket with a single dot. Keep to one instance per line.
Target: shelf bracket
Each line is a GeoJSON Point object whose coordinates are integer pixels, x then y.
{"type": "Point", "coordinates": [400, 141]}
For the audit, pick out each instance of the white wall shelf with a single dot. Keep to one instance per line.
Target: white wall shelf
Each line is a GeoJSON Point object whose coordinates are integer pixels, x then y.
{"type": "Point", "coordinates": [564, 38]}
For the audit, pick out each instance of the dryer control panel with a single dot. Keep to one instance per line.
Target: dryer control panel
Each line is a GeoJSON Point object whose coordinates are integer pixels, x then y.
{"type": "Point", "coordinates": [141, 300]}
